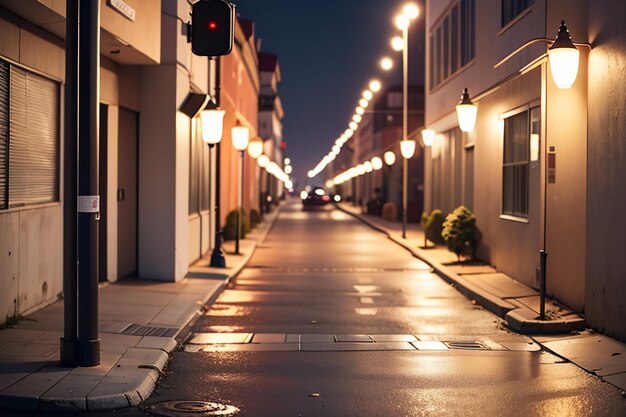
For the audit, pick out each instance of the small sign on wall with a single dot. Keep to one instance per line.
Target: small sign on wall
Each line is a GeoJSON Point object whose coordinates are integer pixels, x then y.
{"type": "Point", "coordinates": [552, 165]}
{"type": "Point", "coordinates": [122, 8]}
{"type": "Point", "coordinates": [88, 203]}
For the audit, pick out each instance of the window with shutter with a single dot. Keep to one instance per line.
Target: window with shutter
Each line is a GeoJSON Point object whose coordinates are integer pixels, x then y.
{"type": "Point", "coordinates": [29, 138]}
{"type": "Point", "coordinates": [4, 133]}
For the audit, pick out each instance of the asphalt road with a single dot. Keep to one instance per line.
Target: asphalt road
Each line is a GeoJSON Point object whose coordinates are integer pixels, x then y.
{"type": "Point", "coordinates": [322, 295]}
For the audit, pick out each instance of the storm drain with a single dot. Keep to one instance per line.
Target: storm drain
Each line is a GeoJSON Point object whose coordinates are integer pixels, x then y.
{"type": "Point", "coordinates": [191, 408]}
{"type": "Point", "coordinates": [466, 345]}
{"type": "Point", "coordinates": [141, 330]}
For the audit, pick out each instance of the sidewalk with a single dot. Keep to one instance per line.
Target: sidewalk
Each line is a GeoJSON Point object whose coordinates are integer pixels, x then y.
{"type": "Point", "coordinates": [138, 322]}
{"type": "Point", "coordinates": [564, 333]}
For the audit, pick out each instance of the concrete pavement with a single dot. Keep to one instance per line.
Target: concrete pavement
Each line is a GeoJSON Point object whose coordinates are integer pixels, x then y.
{"type": "Point", "coordinates": [563, 333]}
{"type": "Point", "coordinates": [139, 322]}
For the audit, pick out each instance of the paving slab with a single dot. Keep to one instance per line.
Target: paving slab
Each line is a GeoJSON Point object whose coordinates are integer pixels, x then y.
{"type": "Point", "coordinates": [166, 344]}
{"type": "Point", "coordinates": [596, 353]}
{"type": "Point", "coordinates": [269, 338]}
{"type": "Point", "coordinates": [252, 347]}
{"type": "Point", "coordinates": [619, 380]}
{"type": "Point", "coordinates": [222, 338]}
{"type": "Point", "coordinates": [364, 347]}
{"type": "Point", "coordinates": [501, 285]}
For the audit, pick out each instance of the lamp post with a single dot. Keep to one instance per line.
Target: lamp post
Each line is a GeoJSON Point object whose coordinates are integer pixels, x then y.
{"type": "Point", "coordinates": [240, 136]}
{"type": "Point", "coordinates": [255, 150]}
{"type": "Point", "coordinates": [407, 147]}
{"type": "Point", "coordinates": [212, 119]}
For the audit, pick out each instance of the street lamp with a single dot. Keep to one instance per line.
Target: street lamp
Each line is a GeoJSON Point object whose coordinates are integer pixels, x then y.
{"type": "Point", "coordinates": [390, 158]}
{"type": "Point", "coordinates": [377, 163]}
{"type": "Point", "coordinates": [466, 112]}
{"type": "Point", "coordinates": [212, 123]}
{"type": "Point", "coordinates": [240, 136]}
{"type": "Point", "coordinates": [403, 21]}
{"type": "Point", "coordinates": [375, 86]}
{"type": "Point", "coordinates": [255, 150]}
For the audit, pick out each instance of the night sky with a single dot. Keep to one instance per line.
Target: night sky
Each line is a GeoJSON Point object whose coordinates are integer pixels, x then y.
{"type": "Point", "coordinates": [328, 50]}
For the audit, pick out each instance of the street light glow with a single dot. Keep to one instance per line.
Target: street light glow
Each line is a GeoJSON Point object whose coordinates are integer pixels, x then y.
{"type": "Point", "coordinates": [363, 103]}
{"type": "Point", "coordinates": [386, 63]}
{"type": "Point", "coordinates": [212, 125]}
{"type": "Point", "coordinates": [375, 86]}
{"type": "Point", "coordinates": [240, 135]}
{"type": "Point", "coordinates": [263, 160]}
{"type": "Point", "coordinates": [367, 95]}
{"type": "Point", "coordinates": [390, 158]}
{"type": "Point", "coordinates": [354, 126]}
{"type": "Point", "coordinates": [402, 22]}
{"type": "Point", "coordinates": [407, 148]}
{"type": "Point", "coordinates": [411, 11]}
{"type": "Point", "coordinates": [563, 56]}
{"type": "Point", "coordinates": [255, 147]}
{"type": "Point", "coordinates": [359, 110]}
{"type": "Point", "coordinates": [357, 118]}
{"type": "Point", "coordinates": [428, 137]}
{"type": "Point", "coordinates": [397, 43]}
{"type": "Point", "coordinates": [377, 163]}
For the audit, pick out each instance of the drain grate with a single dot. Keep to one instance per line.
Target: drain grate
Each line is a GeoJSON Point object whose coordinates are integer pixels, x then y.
{"type": "Point", "coordinates": [142, 330]}
{"type": "Point", "coordinates": [467, 345]}
{"type": "Point", "coordinates": [191, 408]}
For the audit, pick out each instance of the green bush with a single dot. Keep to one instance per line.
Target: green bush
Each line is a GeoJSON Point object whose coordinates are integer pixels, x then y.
{"type": "Point", "coordinates": [390, 212]}
{"type": "Point", "coordinates": [460, 233]}
{"type": "Point", "coordinates": [432, 225]}
{"type": "Point", "coordinates": [230, 229]}
{"type": "Point", "coordinates": [255, 218]}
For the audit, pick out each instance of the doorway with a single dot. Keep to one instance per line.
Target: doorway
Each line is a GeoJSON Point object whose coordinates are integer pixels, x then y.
{"type": "Point", "coordinates": [127, 191]}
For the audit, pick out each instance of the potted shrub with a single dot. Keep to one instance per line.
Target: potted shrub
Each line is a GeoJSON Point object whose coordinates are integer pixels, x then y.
{"type": "Point", "coordinates": [230, 228]}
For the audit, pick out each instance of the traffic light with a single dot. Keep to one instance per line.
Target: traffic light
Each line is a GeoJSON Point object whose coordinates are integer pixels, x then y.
{"type": "Point", "coordinates": [212, 27]}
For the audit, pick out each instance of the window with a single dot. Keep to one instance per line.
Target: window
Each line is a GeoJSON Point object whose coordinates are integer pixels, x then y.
{"type": "Point", "coordinates": [512, 8]}
{"type": "Point", "coordinates": [452, 42]}
{"type": "Point", "coordinates": [29, 138]}
{"type": "Point", "coordinates": [198, 171]}
{"type": "Point", "coordinates": [516, 161]}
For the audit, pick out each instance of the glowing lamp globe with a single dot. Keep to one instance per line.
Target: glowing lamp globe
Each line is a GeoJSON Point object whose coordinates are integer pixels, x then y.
{"type": "Point", "coordinates": [563, 56]}
{"type": "Point", "coordinates": [212, 120]}
{"type": "Point", "coordinates": [241, 136]}
{"type": "Point", "coordinates": [407, 148]}
{"type": "Point", "coordinates": [377, 163]}
{"type": "Point", "coordinates": [466, 112]}
{"type": "Point", "coordinates": [255, 148]}
{"type": "Point", "coordinates": [428, 137]}
{"type": "Point", "coordinates": [390, 158]}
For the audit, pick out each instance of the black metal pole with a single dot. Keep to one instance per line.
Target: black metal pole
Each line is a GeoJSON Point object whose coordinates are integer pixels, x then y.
{"type": "Point", "coordinates": [217, 256]}
{"type": "Point", "coordinates": [70, 158]}
{"type": "Point", "coordinates": [543, 256]}
{"type": "Point", "coordinates": [88, 130]}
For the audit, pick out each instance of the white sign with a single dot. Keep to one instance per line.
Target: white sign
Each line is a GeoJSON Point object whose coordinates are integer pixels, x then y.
{"type": "Point", "coordinates": [123, 8]}
{"type": "Point", "coordinates": [88, 203]}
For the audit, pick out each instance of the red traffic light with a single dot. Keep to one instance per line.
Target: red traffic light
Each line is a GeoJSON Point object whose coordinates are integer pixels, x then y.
{"type": "Point", "coordinates": [212, 25]}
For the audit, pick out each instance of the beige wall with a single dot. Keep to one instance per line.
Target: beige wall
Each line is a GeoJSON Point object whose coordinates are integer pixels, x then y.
{"type": "Point", "coordinates": [30, 238]}
{"type": "Point", "coordinates": [512, 246]}
{"type": "Point", "coordinates": [605, 304]}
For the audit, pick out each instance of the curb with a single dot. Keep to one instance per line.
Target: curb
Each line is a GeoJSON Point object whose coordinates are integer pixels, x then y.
{"type": "Point", "coordinates": [521, 320]}
{"type": "Point", "coordinates": [135, 374]}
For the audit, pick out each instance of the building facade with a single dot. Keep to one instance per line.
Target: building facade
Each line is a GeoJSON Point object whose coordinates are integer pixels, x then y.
{"type": "Point", "coordinates": [530, 170]}
{"type": "Point", "coordinates": [156, 175]}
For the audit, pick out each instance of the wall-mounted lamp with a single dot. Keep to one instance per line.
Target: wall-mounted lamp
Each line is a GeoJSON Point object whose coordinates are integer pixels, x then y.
{"type": "Point", "coordinates": [263, 160]}
{"type": "Point", "coordinates": [466, 112]}
{"type": "Point", "coordinates": [428, 137]}
{"type": "Point", "coordinates": [241, 136]}
{"type": "Point", "coordinates": [212, 124]}
{"type": "Point", "coordinates": [563, 56]}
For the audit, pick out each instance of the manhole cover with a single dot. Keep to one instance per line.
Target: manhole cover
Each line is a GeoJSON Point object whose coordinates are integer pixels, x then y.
{"type": "Point", "coordinates": [191, 408]}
